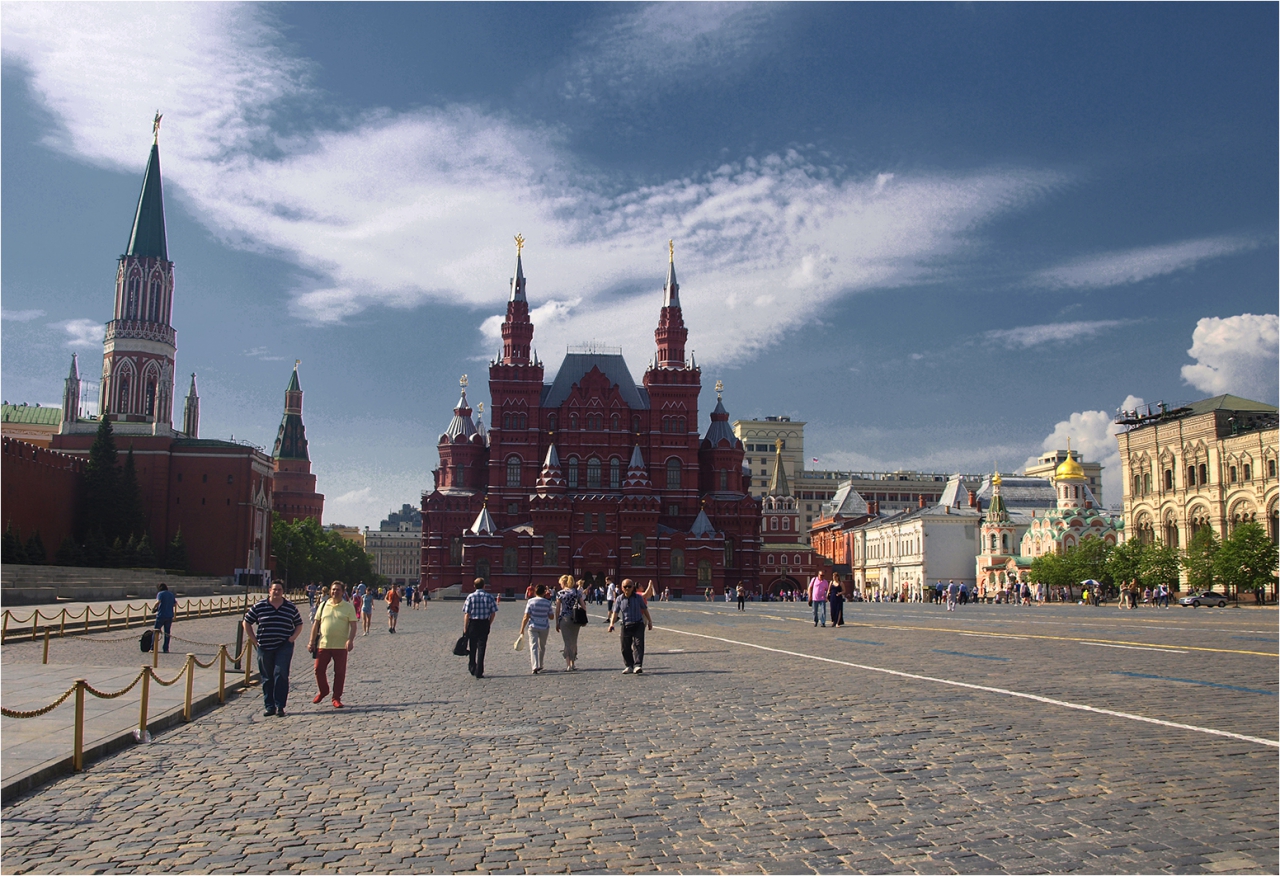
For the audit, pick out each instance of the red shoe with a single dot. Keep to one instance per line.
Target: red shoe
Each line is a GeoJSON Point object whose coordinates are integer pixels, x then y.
{"type": "Point", "coordinates": [337, 703]}
{"type": "Point", "coordinates": [318, 698]}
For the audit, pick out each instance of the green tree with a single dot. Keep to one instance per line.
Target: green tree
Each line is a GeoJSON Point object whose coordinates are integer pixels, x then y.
{"type": "Point", "coordinates": [1247, 560]}
{"type": "Point", "coordinates": [96, 548]}
{"type": "Point", "coordinates": [69, 553]}
{"type": "Point", "coordinates": [145, 555]}
{"type": "Point", "coordinates": [101, 499]}
{"type": "Point", "coordinates": [1124, 564]}
{"type": "Point", "coordinates": [1160, 565]}
{"type": "Point", "coordinates": [36, 555]}
{"type": "Point", "coordinates": [1198, 560]}
{"type": "Point", "coordinates": [306, 554]}
{"type": "Point", "coordinates": [117, 555]}
{"type": "Point", "coordinates": [175, 555]}
{"type": "Point", "coordinates": [132, 519]}
{"type": "Point", "coordinates": [1052, 570]}
{"type": "Point", "coordinates": [1088, 560]}
{"type": "Point", "coordinates": [12, 549]}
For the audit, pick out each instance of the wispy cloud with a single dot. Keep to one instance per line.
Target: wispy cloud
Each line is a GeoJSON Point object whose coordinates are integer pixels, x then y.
{"type": "Point", "coordinates": [263, 354]}
{"type": "Point", "coordinates": [400, 209]}
{"type": "Point", "coordinates": [1136, 265]}
{"type": "Point", "coordinates": [20, 315]}
{"type": "Point", "coordinates": [81, 332]}
{"type": "Point", "coordinates": [1238, 354]}
{"type": "Point", "coordinates": [1054, 332]}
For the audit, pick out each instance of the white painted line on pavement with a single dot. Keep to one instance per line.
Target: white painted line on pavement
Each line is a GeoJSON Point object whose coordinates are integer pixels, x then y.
{"type": "Point", "coordinates": [1135, 647]}
{"type": "Point", "coordinates": [994, 636]}
{"type": "Point", "coordinates": [1271, 743]}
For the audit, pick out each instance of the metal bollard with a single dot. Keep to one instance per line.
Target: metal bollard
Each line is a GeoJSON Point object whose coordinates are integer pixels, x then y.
{"type": "Point", "coordinates": [108, 617]}
{"type": "Point", "coordinates": [62, 624]}
{"type": "Point", "coordinates": [77, 753]}
{"type": "Point", "coordinates": [191, 678]}
{"type": "Point", "coordinates": [86, 618]}
{"type": "Point", "coordinates": [35, 620]}
{"type": "Point", "coordinates": [155, 653]}
{"type": "Point", "coordinates": [142, 735]}
{"type": "Point", "coordinates": [45, 661]}
{"type": "Point", "coordinates": [248, 661]}
{"type": "Point", "coordinates": [222, 674]}
{"type": "Point", "coordinates": [126, 615]}
{"type": "Point", "coordinates": [4, 627]}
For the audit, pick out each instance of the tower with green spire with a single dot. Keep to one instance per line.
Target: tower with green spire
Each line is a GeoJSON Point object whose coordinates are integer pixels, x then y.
{"type": "Point", "coordinates": [140, 347]}
{"type": "Point", "coordinates": [295, 493]}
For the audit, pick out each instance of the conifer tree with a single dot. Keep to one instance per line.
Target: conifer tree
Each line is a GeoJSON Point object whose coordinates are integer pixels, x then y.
{"type": "Point", "coordinates": [145, 556]}
{"type": "Point", "coordinates": [116, 557]}
{"type": "Point", "coordinates": [11, 547]}
{"type": "Point", "coordinates": [101, 484]}
{"type": "Point", "coordinates": [133, 520]}
{"type": "Point", "coordinates": [69, 553]}
{"type": "Point", "coordinates": [96, 548]}
{"type": "Point", "coordinates": [36, 555]}
{"type": "Point", "coordinates": [175, 557]}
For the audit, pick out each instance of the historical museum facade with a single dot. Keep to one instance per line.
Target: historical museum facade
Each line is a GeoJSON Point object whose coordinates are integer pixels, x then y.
{"type": "Point", "coordinates": [591, 474]}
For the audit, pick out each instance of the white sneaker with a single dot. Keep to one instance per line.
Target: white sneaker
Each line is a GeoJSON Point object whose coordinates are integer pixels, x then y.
{"type": "Point", "coordinates": [639, 670]}
{"type": "Point", "coordinates": [627, 671]}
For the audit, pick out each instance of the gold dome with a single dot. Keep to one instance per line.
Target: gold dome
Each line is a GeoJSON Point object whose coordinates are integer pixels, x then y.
{"type": "Point", "coordinates": [996, 480]}
{"type": "Point", "coordinates": [1069, 470]}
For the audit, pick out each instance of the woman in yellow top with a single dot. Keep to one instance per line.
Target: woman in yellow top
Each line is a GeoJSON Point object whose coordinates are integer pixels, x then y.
{"type": "Point", "coordinates": [334, 630]}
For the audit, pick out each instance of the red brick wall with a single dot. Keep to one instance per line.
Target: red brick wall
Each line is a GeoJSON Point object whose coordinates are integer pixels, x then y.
{"type": "Point", "coordinates": [40, 491]}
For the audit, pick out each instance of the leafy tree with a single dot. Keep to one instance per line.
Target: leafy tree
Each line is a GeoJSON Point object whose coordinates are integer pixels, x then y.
{"type": "Point", "coordinates": [101, 485]}
{"type": "Point", "coordinates": [1199, 559]}
{"type": "Point", "coordinates": [69, 553]}
{"type": "Point", "coordinates": [1125, 562]}
{"type": "Point", "coordinates": [1247, 560]}
{"type": "Point", "coordinates": [36, 555]}
{"type": "Point", "coordinates": [1160, 565]}
{"type": "Point", "coordinates": [12, 549]}
{"type": "Point", "coordinates": [175, 555]}
{"type": "Point", "coordinates": [306, 554]}
{"type": "Point", "coordinates": [1088, 560]}
{"type": "Point", "coordinates": [1052, 570]}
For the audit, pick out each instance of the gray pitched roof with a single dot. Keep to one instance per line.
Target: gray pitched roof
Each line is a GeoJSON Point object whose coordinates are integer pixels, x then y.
{"type": "Point", "coordinates": [577, 365]}
{"type": "Point", "coordinates": [1020, 493]}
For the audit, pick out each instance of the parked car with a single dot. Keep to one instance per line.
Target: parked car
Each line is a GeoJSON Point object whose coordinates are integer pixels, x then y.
{"type": "Point", "coordinates": [1207, 597]}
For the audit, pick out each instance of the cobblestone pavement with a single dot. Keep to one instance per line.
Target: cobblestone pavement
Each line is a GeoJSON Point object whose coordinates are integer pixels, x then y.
{"type": "Point", "coordinates": [754, 742]}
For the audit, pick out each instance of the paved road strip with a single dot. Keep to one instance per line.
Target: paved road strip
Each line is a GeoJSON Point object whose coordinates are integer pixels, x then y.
{"type": "Point", "coordinates": [1271, 743]}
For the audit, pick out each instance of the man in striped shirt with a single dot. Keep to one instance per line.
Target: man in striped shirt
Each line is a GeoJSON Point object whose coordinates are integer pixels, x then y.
{"type": "Point", "coordinates": [278, 626]}
{"type": "Point", "coordinates": [477, 616]}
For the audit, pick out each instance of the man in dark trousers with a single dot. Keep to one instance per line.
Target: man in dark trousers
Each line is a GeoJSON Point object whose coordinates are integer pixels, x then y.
{"type": "Point", "coordinates": [477, 616]}
{"type": "Point", "coordinates": [166, 607]}
{"type": "Point", "coordinates": [278, 626]}
{"type": "Point", "coordinates": [631, 608]}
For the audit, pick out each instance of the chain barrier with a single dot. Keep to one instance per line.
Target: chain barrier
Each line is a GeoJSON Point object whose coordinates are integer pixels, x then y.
{"type": "Point", "coordinates": [111, 696]}
{"type": "Point", "coordinates": [15, 713]}
{"type": "Point", "coordinates": [160, 681]}
{"type": "Point", "coordinates": [214, 607]}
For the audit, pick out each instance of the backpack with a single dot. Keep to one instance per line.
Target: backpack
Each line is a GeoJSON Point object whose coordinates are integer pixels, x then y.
{"type": "Point", "coordinates": [147, 642]}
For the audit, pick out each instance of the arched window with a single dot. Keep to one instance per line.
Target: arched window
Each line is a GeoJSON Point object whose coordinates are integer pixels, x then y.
{"type": "Point", "coordinates": [637, 549]}
{"type": "Point", "coordinates": [1168, 479]}
{"type": "Point", "coordinates": [1191, 476]}
{"type": "Point", "coordinates": [553, 422]}
{"type": "Point", "coordinates": [681, 427]}
{"type": "Point", "coordinates": [724, 479]}
{"type": "Point", "coordinates": [704, 572]}
{"type": "Point", "coordinates": [1137, 485]}
{"type": "Point", "coordinates": [482, 569]}
{"type": "Point", "coordinates": [1248, 472]}
{"type": "Point", "coordinates": [673, 474]}
{"type": "Point", "coordinates": [797, 559]}
{"type": "Point", "coordinates": [593, 474]}
{"type": "Point", "coordinates": [770, 560]}
{"type": "Point", "coordinates": [677, 562]}
{"type": "Point", "coordinates": [615, 474]}
{"type": "Point", "coordinates": [615, 422]}
{"type": "Point", "coordinates": [1204, 473]}
{"type": "Point", "coordinates": [993, 542]}
{"type": "Point", "coordinates": [571, 472]}
{"type": "Point", "coordinates": [523, 421]}
{"type": "Point", "coordinates": [131, 301]}
{"type": "Point", "coordinates": [514, 466]}
{"type": "Point", "coordinates": [455, 551]}
{"type": "Point", "coordinates": [1146, 485]}
{"type": "Point", "coordinates": [728, 553]}
{"type": "Point", "coordinates": [153, 302]}
{"type": "Point", "coordinates": [1231, 474]}
{"type": "Point", "coordinates": [1004, 542]}
{"type": "Point", "coordinates": [573, 421]}
{"type": "Point", "coordinates": [459, 476]}
{"type": "Point", "coordinates": [773, 523]}
{"type": "Point", "coordinates": [786, 523]}
{"type": "Point", "coordinates": [1271, 468]}
{"type": "Point", "coordinates": [510, 561]}
{"type": "Point", "coordinates": [149, 401]}
{"type": "Point", "coordinates": [635, 422]}
{"type": "Point", "coordinates": [506, 419]}
{"type": "Point", "coordinates": [123, 407]}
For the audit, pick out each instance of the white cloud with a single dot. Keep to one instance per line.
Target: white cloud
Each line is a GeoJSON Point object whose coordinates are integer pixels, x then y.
{"type": "Point", "coordinates": [1034, 335]}
{"type": "Point", "coordinates": [1135, 265]}
{"type": "Point", "coordinates": [1093, 436]}
{"type": "Point", "coordinates": [81, 332]}
{"type": "Point", "coordinates": [20, 315]}
{"type": "Point", "coordinates": [1238, 355]}
{"type": "Point", "coordinates": [355, 505]}
{"type": "Point", "coordinates": [402, 209]}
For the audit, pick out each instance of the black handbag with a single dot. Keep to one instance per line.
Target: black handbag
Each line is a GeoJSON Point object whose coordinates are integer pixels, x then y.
{"type": "Point", "coordinates": [460, 646]}
{"type": "Point", "coordinates": [580, 616]}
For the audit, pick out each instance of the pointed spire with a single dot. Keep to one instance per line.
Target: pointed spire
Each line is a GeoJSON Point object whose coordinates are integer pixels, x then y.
{"type": "Point", "coordinates": [517, 282]}
{"type": "Point", "coordinates": [480, 430]}
{"type": "Point", "coordinates": [671, 289]}
{"type": "Point", "coordinates": [147, 238]}
{"type": "Point", "coordinates": [75, 368]}
{"type": "Point", "coordinates": [778, 485]}
{"type": "Point", "coordinates": [191, 411]}
{"type": "Point", "coordinates": [461, 423]}
{"type": "Point", "coordinates": [484, 524]}
{"type": "Point", "coordinates": [291, 440]}
{"type": "Point", "coordinates": [702, 525]}
{"type": "Point", "coordinates": [71, 393]}
{"type": "Point", "coordinates": [551, 479]}
{"type": "Point", "coordinates": [637, 480]}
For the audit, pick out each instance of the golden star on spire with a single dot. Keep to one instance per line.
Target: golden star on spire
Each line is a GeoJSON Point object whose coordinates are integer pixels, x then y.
{"type": "Point", "coordinates": [155, 127]}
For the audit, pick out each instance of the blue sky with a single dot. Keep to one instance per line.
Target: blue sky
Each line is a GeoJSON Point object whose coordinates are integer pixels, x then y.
{"type": "Point", "coordinates": [946, 236]}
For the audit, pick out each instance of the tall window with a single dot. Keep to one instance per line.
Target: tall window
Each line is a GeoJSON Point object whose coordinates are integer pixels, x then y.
{"type": "Point", "coordinates": [482, 569]}
{"type": "Point", "coordinates": [510, 561]}
{"type": "Point", "coordinates": [1004, 541]}
{"type": "Point", "coordinates": [635, 423]}
{"type": "Point", "coordinates": [131, 301]}
{"type": "Point", "coordinates": [593, 474]}
{"type": "Point", "coordinates": [1248, 472]}
{"type": "Point", "coordinates": [588, 521]}
{"type": "Point", "coordinates": [1231, 474]}
{"type": "Point", "coordinates": [124, 394]}
{"type": "Point", "coordinates": [1146, 484]}
{"type": "Point", "coordinates": [150, 399]}
{"type": "Point", "coordinates": [455, 551]}
{"type": "Point", "coordinates": [513, 471]}
{"type": "Point", "coordinates": [1168, 479]}
{"type": "Point", "coordinates": [1204, 473]}
{"type": "Point", "coordinates": [573, 421]}
{"type": "Point", "coordinates": [637, 549]}
{"type": "Point", "coordinates": [553, 422]}
{"type": "Point", "coordinates": [550, 549]}
{"type": "Point", "coordinates": [704, 572]}
{"type": "Point", "coordinates": [728, 553]}
{"type": "Point", "coordinates": [615, 422]}
{"type": "Point", "coordinates": [677, 562]}
{"type": "Point", "coordinates": [615, 474]}
{"type": "Point", "coordinates": [571, 472]}
{"type": "Point", "coordinates": [153, 305]}
{"type": "Point", "coordinates": [1191, 476]}
{"type": "Point", "coordinates": [673, 474]}
{"type": "Point", "coordinates": [459, 476]}
{"type": "Point", "coordinates": [724, 479]}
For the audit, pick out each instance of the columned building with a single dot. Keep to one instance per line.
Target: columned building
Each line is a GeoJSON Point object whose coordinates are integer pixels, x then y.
{"type": "Point", "coordinates": [592, 474]}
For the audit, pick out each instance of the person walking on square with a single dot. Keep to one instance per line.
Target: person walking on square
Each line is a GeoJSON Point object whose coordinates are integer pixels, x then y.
{"type": "Point", "coordinates": [631, 609]}
{"type": "Point", "coordinates": [478, 613]}
{"type": "Point", "coordinates": [818, 588]}
{"type": "Point", "coordinates": [165, 608]}
{"type": "Point", "coordinates": [278, 625]}
{"type": "Point", "coordinates": [334, 632]}
{"type": "Point", "coordinates": [568, 599]}
{"type": "Point", "coordinates": [953, 595]}
{"type": "Point", "coordinates": [393, 607]}
{"type": "Point", "coordinates": [742, 597]}
{"type": "Point", "coordinates": [835, 595]}
{"type": "Point", "coordinates": [537, 620]}
{"type": "Point", "coordinates": [363, 602]}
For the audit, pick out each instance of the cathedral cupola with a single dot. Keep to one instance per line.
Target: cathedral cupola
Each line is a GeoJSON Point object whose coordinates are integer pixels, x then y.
{"type": "Point", "coordinates": [671, 333]}
{"type": "Point", "coordinates": [720, 453]}
{"type": "Point", "coordinates": [464, 453]}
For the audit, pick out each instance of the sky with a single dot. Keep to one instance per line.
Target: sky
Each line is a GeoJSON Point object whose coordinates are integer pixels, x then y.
{"type": "Point", "coordinates": [947, 237]}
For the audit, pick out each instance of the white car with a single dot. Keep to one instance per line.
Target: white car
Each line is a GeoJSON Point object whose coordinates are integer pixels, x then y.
{"type": "Point", "coordinates": [1207, 597]}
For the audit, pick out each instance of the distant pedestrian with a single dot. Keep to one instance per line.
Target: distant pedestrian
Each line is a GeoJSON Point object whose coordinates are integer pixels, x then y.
{"type": "Point", "coordinates": [334, 631]}
{"type": "Point", "coordinates": [478, 613]}
{"type": "Point", "coordinates": [537, 620]}
{"type": "Point", "coordinates": [742, 597]}
{"type": "Point", "coordinates": [311, 598]}
{"type": "Point", "coordinates": [835, 595]}
{"type": "Point", "coordinates": [631, 609]}
{"type": "Point", "coordinates": [818, 588]}
{"type": "Point", "coordinates": [568, 600]}
{"type": "Point", "coordinates": [165, 608]}
{"type": "Point", "coordinates": [278, 625]}
{"type": "Point", "coordinates": [953, 595]}
{"type": "Point", "coordinates": [393, 607]}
